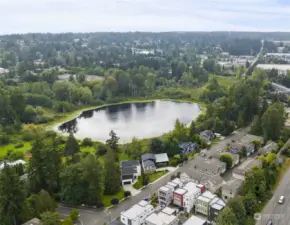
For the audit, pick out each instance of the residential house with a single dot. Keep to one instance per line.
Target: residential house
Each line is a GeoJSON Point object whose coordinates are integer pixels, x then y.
{"type": "Point", "coordinates": [188, 147]}
{"type": "Point", "coordinates": [161, 159]}
{"type": "Point", "coordinates": [216, 206]}
{"type": "Point", "coordinates": [214, 183]}
{"type": "Point", "coordinates": [235, 157]}
{"type": "Point", "coordinates": [11, 163]}
{"type": "Point", "coordinates": [231, 189]}
{"type": "Point", "coordinates": [161, 219]}
{"type": "Point", "coordinates": [240, 171]}
{"type": "Point", "coordinates": [210, 166]}
{"type": "Point", "coordinates": [207, 136]}
{"type": "Point", "coordinates": [189, 198]}
{"type": "Point", "coordinates": [268, 148]}
{"type": "Point", "coordinates": [165, 195]}
{"type": "Point", "coordinates": [194, 220]}
{"type": "Point", "coordinates": [137, 214]}
{"type": "Point", "coordinates": [148, 162]}
{"type": "Point", "coordinates": [209, 205]}
{"type": "Point", "coordinates": [203, 203]}
{"type": "Point", "coordinates": [34, 221]}
{"type": "Point", "coordinates": [130, 171]}
{"type": "Point", "coordinates": [238, 146]}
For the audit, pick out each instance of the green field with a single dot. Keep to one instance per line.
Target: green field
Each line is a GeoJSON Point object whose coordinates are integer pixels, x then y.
{"type": "Point", "coordinates": [4, 149]}
{"type": "Point", "coordinates": [107, 198]}
{"type": "Point", "coordinates": [152, 177]}
{"type": "Point", "coordinates": [225, 82]}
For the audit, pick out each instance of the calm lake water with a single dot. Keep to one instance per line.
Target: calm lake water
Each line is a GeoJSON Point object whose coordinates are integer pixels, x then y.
{"type": "Point", "coordinates": [128, 120]}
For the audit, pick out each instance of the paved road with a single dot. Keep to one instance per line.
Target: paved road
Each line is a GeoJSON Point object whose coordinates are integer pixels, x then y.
{"type": "Point", "coordinates": [278, 213]}
{"type": "Point", "coordinates": [97, 217]}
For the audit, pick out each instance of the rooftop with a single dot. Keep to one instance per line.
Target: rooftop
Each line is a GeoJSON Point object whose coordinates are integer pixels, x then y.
{"type": "Point", "coordinates": [162, 157]}
{"type": "Point", "coordinates": [216, 180]}
{"type": "Point", "coordinates": [136, 210]}
{"type": "Point", "coordinates": [209, 166]}
{"type": "Point", "coordinates": [194, 220]}
{"type": "Point", "coordinates": [174, 185]}
{"type": "Point", "coordinates": [177, 181]}
{"type": "Point", "coordinates": [164, 188]}
{"type": "Point", "coordinates": [208, 194]}
{"type": "Point", "coordinates": [168, 211]}
{"type": "Point", "coordinates": [34, 221]}
{"type": "Point", "coordinates": [191, 187]}
{"type": "Point", "coordinates": [233, 185]}
{"type": "Point", "coordinates": [180, 191]}
{"type": "Point", "coordinates": [274, 66]}
{"type": "Point", "coordinates": [147, 156]}
{"type": "Point", "coordinates": [160, 218]}
{"type": "Point", "coordinates": [129, 163]}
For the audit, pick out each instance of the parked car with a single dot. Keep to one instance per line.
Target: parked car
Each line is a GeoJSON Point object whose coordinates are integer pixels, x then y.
{"type": "Point", "coordinates": [281, 199]}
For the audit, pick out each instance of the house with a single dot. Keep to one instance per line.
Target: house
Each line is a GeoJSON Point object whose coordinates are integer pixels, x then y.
{"type": "Point", "coordinates": [165, 195]}
{"type": "Point", "coordinates": [188, 147]}
{"type": "Point", "coordinates": [148, 162]}
{"type": "Point", "coordinates": [231, 189]}
{"type": "Point", "coordinates": [207, 136]}
{"type": "Point", "coordinates": [214, 183]}
{"type": "Point", "coordinates": [209, 205]}
{"type": "Point", "coordinates": [203, 202]}
{"type": "Point", "coordinates": [161, 159]}
{"type": "Point", "coordinates": [268, 148]}
{"type": "Point", "coordinates": [194, 220]}
{"type": "Point", "coordinates": [240, 171]}
{"type": "Point", "coordinates": [130, 171]}
{"type": "Point", "coordinates": [210, 166]}
{"type": "Point", "coordinates": [235, 157]}
{"type": "Point", "coordinates": [12, 163]}
{"type": "Point", "coordinates": [34, 221]}
{"type": "Point", "coordinates": [193, 191]}
{"type": "Point", "coordinates": [237, 147]}
{"type": "Point", "coordinates": [137, 213]}
{"type": "Point", "coordinates": [161, 219]}
{"type": "Point", "coordinates": [216, 206]}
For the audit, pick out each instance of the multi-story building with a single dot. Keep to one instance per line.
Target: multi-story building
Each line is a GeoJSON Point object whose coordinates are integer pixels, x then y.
{"type": "Point", "coordinates": [136, 214]}
{"type": "Point", "coordinates": [194, 220]}
{"type": "Point", "coordinates": [165, 195]}
{"type": "Point", "coordinates": [161, 219]}
{"type": "Point", "coordinates": [130, 171]}
{"type": "Point", "coordinates": [203, 202]}
{"type": "Point", "coordinates": [216, 206]}
{"type": "Point", "coordinates": [178, 182]}
{"type": "Point", "coordinates": [178, 197]}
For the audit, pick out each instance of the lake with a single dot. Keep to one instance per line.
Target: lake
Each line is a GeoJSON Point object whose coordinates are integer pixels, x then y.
{"type": "Point", "coordinates": [128, 120]}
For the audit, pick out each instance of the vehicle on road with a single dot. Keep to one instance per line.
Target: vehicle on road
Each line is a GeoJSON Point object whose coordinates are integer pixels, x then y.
{"type": "Point", "coordinates": [269, 222]}
{"type": "Point", "coordinates": [281, 199]}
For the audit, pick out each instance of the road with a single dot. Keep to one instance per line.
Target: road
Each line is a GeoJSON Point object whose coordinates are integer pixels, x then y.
{"type": "Point", "coordinates": [98, 217]}
{"type": "Point", "coordinates": [278, 213]}
{"type": "Point", "coordinates": [257, 57]}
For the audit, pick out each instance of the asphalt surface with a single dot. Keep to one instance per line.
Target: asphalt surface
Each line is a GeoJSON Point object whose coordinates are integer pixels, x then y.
{"type": "Point", "coordinates": [98, 217]}
{"type": "Point", "coordinates": [278, 213]}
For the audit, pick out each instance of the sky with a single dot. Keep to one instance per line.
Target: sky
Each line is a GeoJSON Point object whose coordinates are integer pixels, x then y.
{"type": "Point", "coordinates": [23, 16]}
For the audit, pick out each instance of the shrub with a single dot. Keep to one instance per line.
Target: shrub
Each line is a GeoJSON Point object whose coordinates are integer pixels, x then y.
{"type": "Point", "coordinates": [172, 177]}
{"type": "Point", "coordinates": [127, 194]}
{"type": "Point", "coordinates": [4, 139]}
{"type": "Point", "coordinates": [99, 205]}
{"type": "Point", "coordinates": [115, 201]}
{"type": "Point", "coordinates": [74, 214]}
{"type": "Point", "coordinates": [19, 145]}
{"type": "Point", "coordinates": [14, 155]}
{"type": "Point", "coordinates": [87, 142]}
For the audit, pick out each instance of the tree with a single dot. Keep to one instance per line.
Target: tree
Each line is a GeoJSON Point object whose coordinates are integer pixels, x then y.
{"type": "Point", "coordinates": [81, 77]}
{"type": "Point", "coordinates": [101, 149]}
{"type": "Point", "coordinates": [227, 159]}
{"type": "Point", "coordinates": [74, 215]}
{"type": "Point", "coordinates": [135, 148]}
{"type": "Point", "coordinates": [112, 174]}
{"type": "Point", "coordinates": [251, 204]}
{"type": "Point", "coordinates": [71, 147]}
{"type": "Point", "coordinates": [156, 145]}
{"type": "Point", "coordinates": [179, 132]}
{"type": "Point", "coordinates": [192, 129]}
{"type": "Point", "coordinates": [113, 141]}
{"type": "Point", "coordinates": [238, 208]}
{"type": "Point", "coordinates": [273, 121]}
{"type": "Point", "coordinates": [227, 217]}
{"type": "Point", "coordinates": [12, 196]}
{"type": "Point", "coordinates": [50, 218]}
{"type": "Point", "coordinates": [67, 221]}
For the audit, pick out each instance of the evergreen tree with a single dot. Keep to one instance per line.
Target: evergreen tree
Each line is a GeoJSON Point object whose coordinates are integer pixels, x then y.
{"type": "Point", "coordinates": [12, 196]}
{"type": "Point", "coordinates": [112, 174]}
{"type": "Point", "coordinates": [113, 141]}
{"type": "Point", "coordinates": [72, 147]}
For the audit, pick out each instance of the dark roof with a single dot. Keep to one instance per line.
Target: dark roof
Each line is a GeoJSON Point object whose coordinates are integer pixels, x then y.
{"type": "Point", "coordinates": [129, 163]}
{"type": "Point", "coordinates": [128, 170]}
{"type": "Point", "coordinates": [147, 156]}
{"type": "Point", "coordinates": [148, 163]}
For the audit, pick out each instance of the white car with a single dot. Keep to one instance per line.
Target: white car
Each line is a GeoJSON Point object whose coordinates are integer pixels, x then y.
{"type": "Point", "coordinates": [281, 199]}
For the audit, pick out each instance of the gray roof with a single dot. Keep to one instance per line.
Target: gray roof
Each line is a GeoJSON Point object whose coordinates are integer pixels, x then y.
{"type": "Point", "coordinates": [198, 176]}
{"type": "Point", "coordinates": [210, 166]}
{"type": "Point", "coordinates": [129, 163]}
{"type": "Point", "coordinates": [147, 156]}
{"type": "Point", "coordinates": [128, 170]}
{"type": "Point", "coordinates": [233, 185]}
{"type": "Point", "coordinates": [217, 180]}
{"type": "Point", "coordinates": [162, 157]}
{"type": "Point", "coordinates": [148, 163]}
{"type": "Point", "coordinates": [34, 221]}
{"type": "Point", "coordinates": [246, 166]}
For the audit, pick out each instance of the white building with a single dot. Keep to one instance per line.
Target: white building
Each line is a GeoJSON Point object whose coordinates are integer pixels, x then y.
{"type": "Point", "coordinates": [165, 195]}
{"type": "Point", "coordinates": [137, 213]}
{"type": "Point", "coordinates": [203, 202]}
{"type": "Point", "coordinates": [282, 68]}
{"type": "Point", "coordinates": [178, 182]}
{"type": "Point", "coordinates": [161, 219]}
{"type": "Point", "coordinates": [193, 191]}
{"type": "Point", "coordinates": [194, 220]}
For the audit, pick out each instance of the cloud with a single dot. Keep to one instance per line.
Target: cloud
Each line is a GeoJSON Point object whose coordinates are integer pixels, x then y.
{"type": "Point", "coordinates": [21, 16]}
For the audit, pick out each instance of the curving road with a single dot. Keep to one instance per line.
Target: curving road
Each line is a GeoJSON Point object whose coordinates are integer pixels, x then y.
{"type": "Point", "coordinates": [278, 213]}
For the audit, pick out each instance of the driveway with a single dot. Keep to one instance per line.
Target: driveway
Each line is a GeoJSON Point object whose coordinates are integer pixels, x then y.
{"type": "Point", "coordinates": [99, 217]}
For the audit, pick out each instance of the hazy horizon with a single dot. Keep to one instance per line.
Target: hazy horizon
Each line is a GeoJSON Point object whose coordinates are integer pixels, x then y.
{"type": "Point", "coordinates": [62, 16]}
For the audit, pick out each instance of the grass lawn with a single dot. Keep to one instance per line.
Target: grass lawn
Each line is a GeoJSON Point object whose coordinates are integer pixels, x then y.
{"type": "Point", "coordinates": [225, 82]}
{"type": "Point", "coordinates": [5, 148]}
{"type": "Point", "coordinates": [152, 177]}
{"type": "Point", "coordinates": [107, 198]}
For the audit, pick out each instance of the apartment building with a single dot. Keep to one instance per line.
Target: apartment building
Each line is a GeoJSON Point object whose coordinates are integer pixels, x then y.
{"type": "Point", "coordinates": [203, 202]}
{"type": "Point", "coordinates": [137, 214]}
{"type": "Point", "coordinates": [193, 191]}
{"type": "Point", "coordinates": [166, 217]}
{"type": "Point", "coordinates": [165, 195]}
